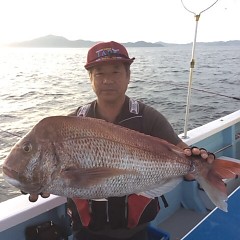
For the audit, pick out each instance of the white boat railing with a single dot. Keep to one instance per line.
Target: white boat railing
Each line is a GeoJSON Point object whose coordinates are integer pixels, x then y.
{"type": "Point", "coordinates": [202, 132]}
{"type": "Point", "coordinates": [18, 210]}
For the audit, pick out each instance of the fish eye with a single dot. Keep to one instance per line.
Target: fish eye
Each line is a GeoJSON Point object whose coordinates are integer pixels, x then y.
{"type": "Point", "coordinates": [27, 147]}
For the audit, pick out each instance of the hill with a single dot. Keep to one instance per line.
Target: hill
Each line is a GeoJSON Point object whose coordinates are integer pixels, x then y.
{"type": "Point", "coordinates": [52, 41]}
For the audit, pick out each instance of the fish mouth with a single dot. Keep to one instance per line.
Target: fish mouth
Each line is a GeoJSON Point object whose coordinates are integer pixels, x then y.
{"type": "Point", "coordinates": [12, 177]}
{"type": "Point", "coordinates": [12, 181]}
{"type": "Point", "coordinates": [10, 173]}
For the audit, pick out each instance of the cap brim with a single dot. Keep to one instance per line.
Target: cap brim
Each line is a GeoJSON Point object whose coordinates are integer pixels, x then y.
{"type": "Point", "coordinates": [111, 60]}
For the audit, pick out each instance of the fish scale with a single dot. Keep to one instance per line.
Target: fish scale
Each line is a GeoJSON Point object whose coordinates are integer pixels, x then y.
{"type": "Point", "coordinates": [116, 156]}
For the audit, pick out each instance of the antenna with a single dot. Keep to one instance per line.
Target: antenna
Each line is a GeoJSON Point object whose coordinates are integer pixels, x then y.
{"type": "Point", "coordinates": [192, 64]}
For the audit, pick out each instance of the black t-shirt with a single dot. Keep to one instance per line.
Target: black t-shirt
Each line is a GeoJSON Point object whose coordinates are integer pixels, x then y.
{"type": "Point", "coordinates": [136, 116]}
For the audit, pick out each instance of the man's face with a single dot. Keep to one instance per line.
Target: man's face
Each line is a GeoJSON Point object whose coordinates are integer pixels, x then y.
{"type": "Point", "coordinates": [110, 81]}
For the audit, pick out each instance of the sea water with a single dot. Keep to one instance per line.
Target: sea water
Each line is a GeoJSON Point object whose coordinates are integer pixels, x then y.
{"type": "Point", "coordinates": [40, 82]}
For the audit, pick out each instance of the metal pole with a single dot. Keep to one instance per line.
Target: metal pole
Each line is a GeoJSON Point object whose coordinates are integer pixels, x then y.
{"type": "Point", "coordinates": [192, 63]}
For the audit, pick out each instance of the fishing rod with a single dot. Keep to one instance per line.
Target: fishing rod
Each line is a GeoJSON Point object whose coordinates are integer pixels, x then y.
{"type": "Point", "coordinates": [206, 91]}
{"type": "Point", "coordinates": [9, 133]}
{"type": "Point", "coordinates": [192, 63]}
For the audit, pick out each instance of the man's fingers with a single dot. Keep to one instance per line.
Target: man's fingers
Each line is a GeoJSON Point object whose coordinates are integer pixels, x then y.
{"type": "Point", "coordinates": [199, 152]}
{"type": "Point", "coordinates": [203, 153]}
{"type": "Point", "coordinates": [44, 195]}
{"type": "Point", "coordinates": [196, 151]}
{"type": "Point", "coordinates": [187, 152]}
{"type": "Point", "coordinates": [192, 151]}
{"type": "Point", "coordinates": [33, 197]}
{"type": "Point", "coordinates": [211, 157]}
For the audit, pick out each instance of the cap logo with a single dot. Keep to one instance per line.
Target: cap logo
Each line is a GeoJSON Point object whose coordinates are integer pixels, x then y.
{"type": "Point", "coordinates": [106, 52]}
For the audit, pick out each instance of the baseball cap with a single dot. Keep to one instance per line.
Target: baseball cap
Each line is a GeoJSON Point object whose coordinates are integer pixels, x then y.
{"type": "Point", "coordinates": [105, 52]}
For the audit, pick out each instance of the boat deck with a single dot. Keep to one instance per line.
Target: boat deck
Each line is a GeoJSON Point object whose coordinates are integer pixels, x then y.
{"type": "Point", "coordinates": [190, 218]}
{"type": "Point", "coordinates": [219, 225]}
{"type": "Point", "coordinates": [171, 225]}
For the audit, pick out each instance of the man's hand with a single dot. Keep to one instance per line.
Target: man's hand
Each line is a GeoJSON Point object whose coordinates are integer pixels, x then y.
{"type": "Point", "coordinates": [34, 197]}
{"type": "Point", "coordinates": [195, 151]}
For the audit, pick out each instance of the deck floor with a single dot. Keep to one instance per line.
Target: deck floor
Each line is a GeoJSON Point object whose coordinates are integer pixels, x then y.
{"type": "Point", "coordinates": [191, 218]}
{"type": "Point", "coordinates": [178, 231]}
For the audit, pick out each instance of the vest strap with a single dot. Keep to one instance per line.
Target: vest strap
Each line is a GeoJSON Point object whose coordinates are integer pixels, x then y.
{"type": "Point", "coordinates": [136, 206]}
{"type": "Point", "coordinates": [83, 210]}
{"type": "Point", "coordinates": [133, 106]}
{"type": "Point", "coordinates": [82, 111]}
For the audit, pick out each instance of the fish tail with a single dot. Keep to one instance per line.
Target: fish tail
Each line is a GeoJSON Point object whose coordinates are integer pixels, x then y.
{"type": "Point", "coordinates": [212, 180]}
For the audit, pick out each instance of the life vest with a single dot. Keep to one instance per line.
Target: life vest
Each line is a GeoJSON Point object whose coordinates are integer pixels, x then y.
{"type": "Point", "coordinates": [118, 212]}
{"type": "Point", "coordinates": [129, 212]}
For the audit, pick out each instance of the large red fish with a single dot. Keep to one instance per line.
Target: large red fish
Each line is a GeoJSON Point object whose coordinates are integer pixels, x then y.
{"type": "Point", "coordinates": [94, 159]}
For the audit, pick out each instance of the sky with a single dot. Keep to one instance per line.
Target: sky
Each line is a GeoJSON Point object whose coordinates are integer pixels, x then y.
{"type": "Point", "coordinates": [119, 20]}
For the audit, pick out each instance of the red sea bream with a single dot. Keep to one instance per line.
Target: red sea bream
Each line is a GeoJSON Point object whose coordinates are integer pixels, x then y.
{"type": "Point", "coordinates": [93, 159]}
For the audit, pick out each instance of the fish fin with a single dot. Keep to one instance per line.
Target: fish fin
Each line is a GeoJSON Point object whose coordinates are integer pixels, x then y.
{"type": "Point", "coordinates": [165, 186]}
{"type": "Point", "coordinates": [87, 177]}
{"type": "Point", "coordinates": [218, 197]}
{"type": "Point", "coordinates": [227, 168]}
{"type": "Point", "coordinates": [213, 184]}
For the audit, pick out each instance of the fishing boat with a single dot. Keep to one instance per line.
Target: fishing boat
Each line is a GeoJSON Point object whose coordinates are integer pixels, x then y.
{"type": "Point", "coordinates": [189, 214]}
{"type": "Point", "coordinates": [186, 214]}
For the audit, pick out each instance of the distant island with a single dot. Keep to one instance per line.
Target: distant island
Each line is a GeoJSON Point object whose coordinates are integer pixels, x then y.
{"type": "Point", "coordinates": [52, 41]}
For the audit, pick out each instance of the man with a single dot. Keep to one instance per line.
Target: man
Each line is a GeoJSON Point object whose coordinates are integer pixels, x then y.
{"type": "Point", "coordinates": [126, 217]}
{"type": "Point", "coordinates": [108, 65]}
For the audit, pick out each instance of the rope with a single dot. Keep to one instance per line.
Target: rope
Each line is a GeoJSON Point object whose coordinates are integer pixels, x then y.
{"type": "Point", "coordinates": [206, 91]}
{"type": "Point", "coordinates": [218, 94]}
{"type": "Point", "coordinates": [201, 11]}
